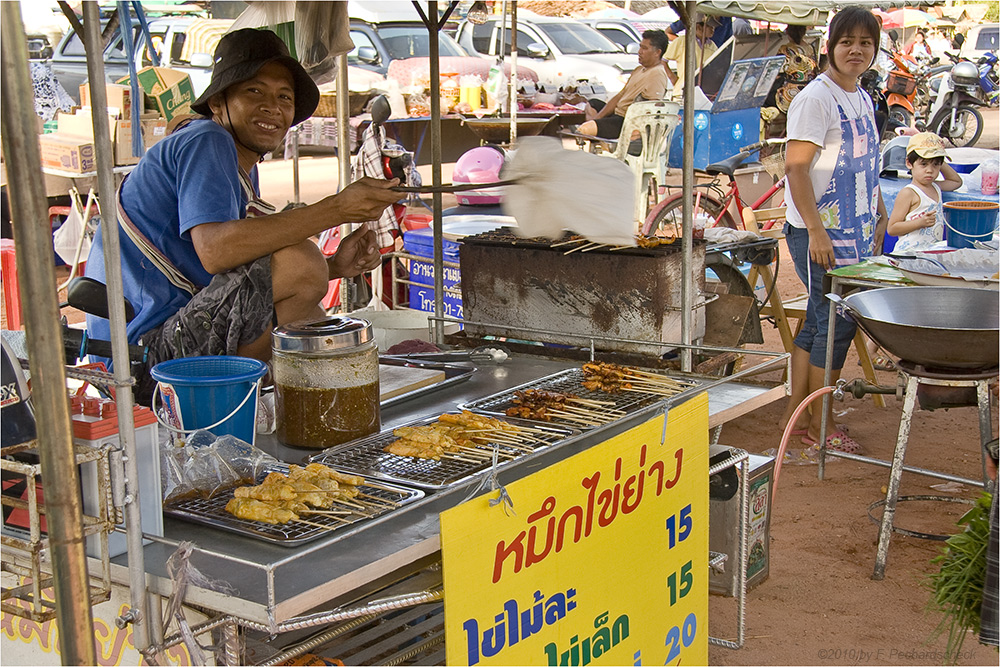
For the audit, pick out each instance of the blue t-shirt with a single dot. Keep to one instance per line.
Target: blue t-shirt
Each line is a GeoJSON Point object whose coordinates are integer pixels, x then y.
{"type": "Point", "coordinates": [187, 179]}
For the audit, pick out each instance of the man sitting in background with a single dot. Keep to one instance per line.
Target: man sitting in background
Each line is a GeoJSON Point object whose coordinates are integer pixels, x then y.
{"type": "Point", "coordinates": [648, 82]}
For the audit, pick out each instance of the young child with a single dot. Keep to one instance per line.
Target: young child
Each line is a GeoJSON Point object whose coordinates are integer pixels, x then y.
{"type": "Point", "coordinates": [918, 217]}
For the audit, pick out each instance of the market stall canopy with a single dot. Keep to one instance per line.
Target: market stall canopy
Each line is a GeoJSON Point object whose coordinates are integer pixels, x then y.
{"type": "Point", "coordinates": [805, 12]}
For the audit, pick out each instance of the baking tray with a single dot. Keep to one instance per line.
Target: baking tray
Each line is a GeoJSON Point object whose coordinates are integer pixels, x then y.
{"type": "Point", "coordinates": [453, 374]}
{"type": "Point", "coordinates": [366, 457]}
{"type": "Point", "coordinates": [212, 512]}
{"type": "Point", "coordinates": [570, 381]}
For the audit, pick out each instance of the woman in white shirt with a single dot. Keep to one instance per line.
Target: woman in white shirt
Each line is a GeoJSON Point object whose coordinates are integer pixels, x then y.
{"type": "Point", "coordinates": [835, 215]}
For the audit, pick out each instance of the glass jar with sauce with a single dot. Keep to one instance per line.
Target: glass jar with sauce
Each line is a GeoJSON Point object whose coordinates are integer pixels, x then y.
{"type": "Point", "coordinates": [325, 382]}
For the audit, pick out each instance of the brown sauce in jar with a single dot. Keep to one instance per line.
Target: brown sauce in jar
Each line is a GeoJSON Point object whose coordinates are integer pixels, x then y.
{"type": "Point", "coordinates": [317, 418]}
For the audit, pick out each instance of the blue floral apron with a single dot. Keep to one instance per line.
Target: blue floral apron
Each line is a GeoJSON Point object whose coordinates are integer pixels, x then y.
{"type": "Point", "coordinates": [849, 206]}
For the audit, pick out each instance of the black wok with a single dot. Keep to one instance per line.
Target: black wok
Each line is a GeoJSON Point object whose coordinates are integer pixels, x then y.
{"type": "Point", "coordinates": [950, 327]}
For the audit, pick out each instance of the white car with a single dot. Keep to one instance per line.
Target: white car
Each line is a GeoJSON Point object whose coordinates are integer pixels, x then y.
{"type": "Point", "coordinates": [559, 50]}
{"type": "Point", "coordinates": [980, 39]}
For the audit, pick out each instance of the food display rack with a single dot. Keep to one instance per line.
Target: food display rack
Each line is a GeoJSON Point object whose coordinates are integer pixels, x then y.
{"type": "Point", "coordinates": [267, 585]}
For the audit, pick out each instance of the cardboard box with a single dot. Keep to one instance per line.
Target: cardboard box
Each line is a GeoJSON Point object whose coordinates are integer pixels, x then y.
{"type": "Point", "coordinates": [171, 89]}
{"type": "Point", "coordinates": [67, 152]}
{"type": "Point", "coordinates": [119, 99]}
{"type": "Point", "coordinates": [81, 124]}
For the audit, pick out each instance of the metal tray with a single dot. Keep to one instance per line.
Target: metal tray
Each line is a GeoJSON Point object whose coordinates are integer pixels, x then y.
{"type": "Point", "coordinates": [366, 457]}
{"type": "Point", "coordinates": [570, 381]}
{"type": "Point", "coordinates": [212, 512]}
{"type": "Point", "coordinates": [452, 375]}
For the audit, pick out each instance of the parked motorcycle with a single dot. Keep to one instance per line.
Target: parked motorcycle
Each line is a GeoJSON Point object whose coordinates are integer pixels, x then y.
{"type": "Point", "coordinates": [953, 113]}
{"type": "Point", "coordinates": [901, 88]}
{"type": "Point", "coordinates": [870, 82]}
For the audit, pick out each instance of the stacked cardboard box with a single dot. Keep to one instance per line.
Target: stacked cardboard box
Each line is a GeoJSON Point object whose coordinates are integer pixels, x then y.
{"type": "Point", "coordinates": [71, 148]}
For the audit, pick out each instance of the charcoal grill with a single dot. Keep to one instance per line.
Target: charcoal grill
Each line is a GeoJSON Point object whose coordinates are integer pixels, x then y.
{"type": "Point", "coordinates": [510, 283]}
{"type": "Point", "coordinates": [571, 381]}
{"type": "Point", "coordinates": [366, 457]}
{"type": "Point", "coordinates": [212, 512]}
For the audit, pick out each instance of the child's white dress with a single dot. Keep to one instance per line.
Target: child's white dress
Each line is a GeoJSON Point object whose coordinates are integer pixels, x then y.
{"type": "Point", "coordinates": [925, 237]}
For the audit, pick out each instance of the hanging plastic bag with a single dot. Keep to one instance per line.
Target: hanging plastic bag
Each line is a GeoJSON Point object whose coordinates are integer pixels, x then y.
{"type": "Point", "coordinates": [73, 239]}
{"type": "Point", "coordinates": [496, 89]}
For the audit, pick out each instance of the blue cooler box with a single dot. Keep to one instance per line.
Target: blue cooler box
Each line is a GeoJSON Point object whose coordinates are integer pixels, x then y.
{"type": "Point", "coordinates": [717, 136]}
{"type": "Point", "coordinates": [420, 242]}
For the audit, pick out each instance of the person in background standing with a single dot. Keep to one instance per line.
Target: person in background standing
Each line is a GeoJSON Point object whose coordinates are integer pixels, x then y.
{"type": "Point", "coordinates": [704, 28]}
{"type": "Point", "coordinates": [835, 215]}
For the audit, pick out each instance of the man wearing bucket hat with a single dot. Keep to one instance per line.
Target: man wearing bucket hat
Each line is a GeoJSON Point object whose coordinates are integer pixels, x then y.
{"type": "Point", "coordinates": [917, 216]}
{"type": "Point", "coordinates": [208, 265]}
{"type": "Point", "coordinates": [704, 28]}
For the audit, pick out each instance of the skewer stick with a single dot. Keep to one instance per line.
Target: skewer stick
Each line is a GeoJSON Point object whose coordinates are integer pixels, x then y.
{"type": "Point", "coordinates": [579, 247]}
{"type": "Point", "coordinates": [376, 499]}
{"type": "Point", "coordinates": [456, 457]}
{"type": "Point", "coordinates": [326, 512]}
{"type": "Point", "coordinates": [562, 243]}
{"type": "Point", "coordinates": [595, 247]}
{"type": "Point", "coordinates": [319, 525]}
{"type": "Point", "coordinates": [513, 444]}
{"type": "Point", "coordinates": [590, 401]}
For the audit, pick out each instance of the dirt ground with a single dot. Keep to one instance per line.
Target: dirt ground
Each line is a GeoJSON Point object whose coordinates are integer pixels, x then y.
{"type": "Point", "coordinates": [819, 605]}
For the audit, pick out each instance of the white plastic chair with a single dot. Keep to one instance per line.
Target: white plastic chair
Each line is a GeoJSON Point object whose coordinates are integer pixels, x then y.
{"type": "Point", "coordinates": [655, 121]}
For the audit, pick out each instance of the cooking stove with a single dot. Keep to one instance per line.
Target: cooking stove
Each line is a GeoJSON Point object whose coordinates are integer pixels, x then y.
{"type": "Point", "coordinates": [933, 387]}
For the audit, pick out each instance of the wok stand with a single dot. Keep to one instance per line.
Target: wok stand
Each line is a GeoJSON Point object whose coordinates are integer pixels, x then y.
{"type": "Point", "coordinates": [916, 376]}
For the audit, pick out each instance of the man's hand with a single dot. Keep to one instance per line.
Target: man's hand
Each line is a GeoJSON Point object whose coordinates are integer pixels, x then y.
{"type": "Point", "coordinates": [365, 199]}
{"type": "Point", "coordinates": [357, 253]}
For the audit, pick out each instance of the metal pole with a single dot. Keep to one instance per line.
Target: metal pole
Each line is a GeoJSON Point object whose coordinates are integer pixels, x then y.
{"type": "Point", "coordinates": [119, 342]}
{"type": "Point", "coordinates": [512, 91]}
{"type": "Point", "coordinates": [343, 160]}
{"type": "Point", "coordinates": [36, 274]}
{"type": "Point", "coordinates": [687, 211]}
{"type": "Point", "coordinates": [435, 76]}
{"type": "Point", "coordinates": [296, 190]}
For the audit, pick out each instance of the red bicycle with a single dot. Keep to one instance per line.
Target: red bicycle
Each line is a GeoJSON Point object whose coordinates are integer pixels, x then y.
{"type": "Point", "coordinates": [714, 199]}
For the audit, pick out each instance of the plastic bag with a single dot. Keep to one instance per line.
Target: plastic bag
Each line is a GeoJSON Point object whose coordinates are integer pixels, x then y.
{"type": "Point", "coordinates": [559, 189]}
{"type": "Point", "coordinates": [73, 239]}
{"type": "Point", "coordinates": [206, 464]}
{"type": "Point", "coordinates": [496, 89]}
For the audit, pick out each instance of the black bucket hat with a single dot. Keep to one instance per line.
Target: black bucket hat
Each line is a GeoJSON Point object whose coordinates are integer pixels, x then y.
{"type": "Point", "coordinates": [241, 54]}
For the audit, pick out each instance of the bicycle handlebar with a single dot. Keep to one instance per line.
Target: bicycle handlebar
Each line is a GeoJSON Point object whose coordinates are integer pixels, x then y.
{"type": "Point", "coordinates": [760, 144]}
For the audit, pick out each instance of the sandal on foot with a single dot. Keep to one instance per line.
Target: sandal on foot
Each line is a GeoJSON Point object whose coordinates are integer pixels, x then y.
{"type": "Point", "coordinates": [839, 442]}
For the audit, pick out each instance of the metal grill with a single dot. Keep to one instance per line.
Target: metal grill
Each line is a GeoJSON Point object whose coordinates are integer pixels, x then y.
{"type": "Point", "coordinates": [367, 457]}
{"type": "Point", "coordinates": [212, 512]}
{"type": "Point", "coordinates": [570, 381]}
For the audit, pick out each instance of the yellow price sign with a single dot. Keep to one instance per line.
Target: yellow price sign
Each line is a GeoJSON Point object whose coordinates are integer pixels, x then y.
{"type": "Point", "coordinates": [603, 560]}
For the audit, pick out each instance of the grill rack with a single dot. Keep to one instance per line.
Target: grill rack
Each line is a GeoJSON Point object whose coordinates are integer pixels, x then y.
{"type": "Point", "coordinates": [212, 512]}
{"type": "Point", "coordinates": [571, 381]}
{"type": "Point", "coordinates": [365, 457]}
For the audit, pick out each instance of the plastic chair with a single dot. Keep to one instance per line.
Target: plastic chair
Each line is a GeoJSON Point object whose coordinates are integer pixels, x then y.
{"type": "Point", "coordinates": [655, 121]}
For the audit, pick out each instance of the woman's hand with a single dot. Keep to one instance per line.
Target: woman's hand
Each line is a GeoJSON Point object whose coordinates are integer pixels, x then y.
{"type": "Point", "coordinates": [821, 248]}
{"type": "Point", "coordinates": [356, 254]}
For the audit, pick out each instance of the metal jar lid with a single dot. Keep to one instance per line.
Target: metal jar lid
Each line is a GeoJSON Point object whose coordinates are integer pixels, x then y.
{"type": "Point", "coordinates": [331, 334]}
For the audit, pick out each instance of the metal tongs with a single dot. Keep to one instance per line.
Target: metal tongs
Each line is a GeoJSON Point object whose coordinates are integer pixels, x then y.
{"type": "Point", "coordinates": [496, 354]}
{"type": "Point", "coordinates": [451, 188]}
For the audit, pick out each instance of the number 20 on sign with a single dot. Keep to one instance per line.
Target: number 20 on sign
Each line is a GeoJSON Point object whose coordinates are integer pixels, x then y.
{"type": "Point", "coordinates": [603, 562]}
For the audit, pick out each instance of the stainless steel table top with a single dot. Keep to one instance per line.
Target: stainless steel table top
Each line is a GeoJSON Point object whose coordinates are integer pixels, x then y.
{"type": "Point", "coordinates": [263, 582]}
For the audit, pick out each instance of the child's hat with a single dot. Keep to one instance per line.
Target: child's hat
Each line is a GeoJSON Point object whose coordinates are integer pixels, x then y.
{"type": "Point", "coordinates": [927, 145]}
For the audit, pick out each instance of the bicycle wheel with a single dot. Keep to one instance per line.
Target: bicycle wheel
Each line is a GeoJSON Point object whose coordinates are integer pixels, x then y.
{"type": "Point", "coordinates": [965, 131]}
{"type": "Point", "coordinates": [667, 218]}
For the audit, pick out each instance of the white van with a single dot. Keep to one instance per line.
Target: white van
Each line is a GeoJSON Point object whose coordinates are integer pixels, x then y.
{"type": "Point", "coordinates": [980, 39]}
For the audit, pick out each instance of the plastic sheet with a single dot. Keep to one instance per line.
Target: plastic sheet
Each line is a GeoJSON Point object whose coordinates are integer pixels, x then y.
{"type": "Point", "coordinates": [559, 189]}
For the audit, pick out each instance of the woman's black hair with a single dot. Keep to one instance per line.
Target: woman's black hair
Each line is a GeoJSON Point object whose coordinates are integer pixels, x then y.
{"type": "Point", "coordinates": [848, 19]}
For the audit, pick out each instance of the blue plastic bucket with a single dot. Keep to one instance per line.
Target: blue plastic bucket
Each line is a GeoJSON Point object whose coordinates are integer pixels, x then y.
{"type": "Point", "coordinates": [969, 221]}
{"type": "Point", "coordinates": [218, 394]}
